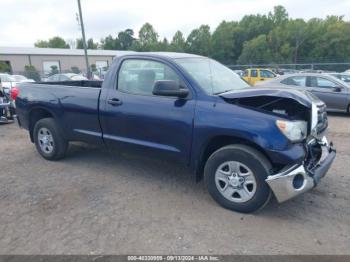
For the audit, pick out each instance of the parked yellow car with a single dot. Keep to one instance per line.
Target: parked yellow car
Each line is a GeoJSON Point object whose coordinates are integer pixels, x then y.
{"type": "Point", "coordinates": [253, 75]}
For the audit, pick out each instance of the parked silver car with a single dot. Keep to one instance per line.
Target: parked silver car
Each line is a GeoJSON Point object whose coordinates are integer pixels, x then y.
{"type": "Point", "coordinates": [342, 76]}
{"type": "Point", "coordinates": [333, 91]}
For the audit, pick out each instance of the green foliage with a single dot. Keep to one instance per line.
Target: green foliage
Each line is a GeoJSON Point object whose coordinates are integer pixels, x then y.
{"type": "Point", "coordinates": [148, 39]}
{"type": "Point", "coordinates": [54, 70]}
{"type": "Point", "coordinates": [256, 50]}
{"type": "Point", "coordinates": [164, 45]}
{"type": "Point", "coordinates": [75, 70]}
{"type": "Point", "coordinates": [55, 42]}
{"type": "Point", "coordinates": [258, 38]}
{"type": "Point", "coordinates": [223, 42]}
{"type": "Point", "coordinates": [110, 43]}
{"type": "Point", "coordinates": [31, 73]}
{"type": "Point", "coordinates": [90, 44]}
{"type": "Point", "coordinates": [126, 39]}
{"type": "Point", "coordinates": [178, 43]}
{"type": "Point", "coordinates": [5, 67]}
{"type": "Point", "coordinates": [93, 68]}
{"type": "Point", "coordinates": [199, 41]}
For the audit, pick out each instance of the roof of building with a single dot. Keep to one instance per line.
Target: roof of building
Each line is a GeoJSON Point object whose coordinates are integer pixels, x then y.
{"type": "Point", "coordinates": [170, 54]}
{"type": "Point", "coordinates": [59, 51]}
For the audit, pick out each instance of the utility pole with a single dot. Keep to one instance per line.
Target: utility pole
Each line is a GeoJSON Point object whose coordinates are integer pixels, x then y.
{"type": "Point", "coordinates": [84, 41]}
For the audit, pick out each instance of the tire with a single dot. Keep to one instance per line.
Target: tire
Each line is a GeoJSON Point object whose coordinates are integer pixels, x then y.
{"type": "Point", "coordinates": [48, 139]}
{"type": "Point", "coordinates": [250, 166]}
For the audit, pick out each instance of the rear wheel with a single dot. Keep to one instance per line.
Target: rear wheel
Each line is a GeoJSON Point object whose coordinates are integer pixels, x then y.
{"type": "Point", "coordinates": [48, 140]}
{"type": "Point", "coordinates": [235, 177]}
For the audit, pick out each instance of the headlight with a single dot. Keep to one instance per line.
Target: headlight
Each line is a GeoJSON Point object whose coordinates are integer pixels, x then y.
{"type": "Point", "coordinates": [295, 131]}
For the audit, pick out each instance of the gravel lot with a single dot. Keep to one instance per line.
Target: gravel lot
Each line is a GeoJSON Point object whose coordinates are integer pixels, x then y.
{"type": "Point", "coordinates": [96, 202]}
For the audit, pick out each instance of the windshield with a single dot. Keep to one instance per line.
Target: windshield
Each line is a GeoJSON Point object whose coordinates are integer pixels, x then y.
{"type": "Point", "coordinates": [213, 77]}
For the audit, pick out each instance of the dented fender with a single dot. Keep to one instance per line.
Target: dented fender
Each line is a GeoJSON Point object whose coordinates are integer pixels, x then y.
{"type": "Point", "coordinates": [303, 97]}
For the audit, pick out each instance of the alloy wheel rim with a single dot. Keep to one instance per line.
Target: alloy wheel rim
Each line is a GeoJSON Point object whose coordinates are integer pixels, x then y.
{"type": "Point", "coordinates": [235, 181]}
{"type": "Point", "coordinates": [45, 139]}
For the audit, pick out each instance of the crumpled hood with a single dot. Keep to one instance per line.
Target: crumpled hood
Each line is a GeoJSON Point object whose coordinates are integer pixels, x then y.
{"type": "Point", "coordinates": [303, 97]}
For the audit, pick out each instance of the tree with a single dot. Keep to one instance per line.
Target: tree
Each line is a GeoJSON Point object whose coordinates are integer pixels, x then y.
{"type": "Point", "coordinates": [75, 70]}
{"type": "Point", "coordinates": [90, 44]}
{"type": "Point", "coordinates": [256, 50]}
{"type": "Point", "coordinates": [223, 44]}
{"type": "Point", "coordinates": [279, 15]}
{"type": "Point", "coordinates": [148, 39]}
{"type": "Point", "coordinates": [164, 45]}
{"type": "Point", "coordinates": [110, 43]}
{"type": "Point", "coordinates": [93, 68]}
{"type": "Point", "coordinates": [126, 39]}
{"type": "Point", "coordinates": [5, 67]}
{"type": "Point", "coordinates": [178, 43]}
{"type": "Point", "coordinates": [297, 33]}
{"type": "Point", "coordinates": [54, 70]}
{"type": "Point", "coordinates": [278, 38]}
{"type": "Point", "coordinates": [31, 73]}
{"type": "Point", "coordinates": [55, 42]}
{"type": "Point", "coordinates": [199, 41]}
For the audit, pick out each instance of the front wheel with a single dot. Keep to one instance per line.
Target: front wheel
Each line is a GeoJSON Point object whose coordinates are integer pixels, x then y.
{"type": "Point", "coordinates": [48, 139]}
{"type": "Point", "coordinates": [235, 177]}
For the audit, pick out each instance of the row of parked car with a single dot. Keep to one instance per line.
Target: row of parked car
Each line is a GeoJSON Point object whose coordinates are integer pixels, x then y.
{"type": "Point", "coordinates": [333, 88]}
{"type": "Point", "coordinates": [8, 81]}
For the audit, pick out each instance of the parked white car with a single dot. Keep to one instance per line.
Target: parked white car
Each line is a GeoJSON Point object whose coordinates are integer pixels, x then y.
{"type": "Point", "coordinates": [22, 79]}
{"type": "Point", "coordinates": [7, 82]}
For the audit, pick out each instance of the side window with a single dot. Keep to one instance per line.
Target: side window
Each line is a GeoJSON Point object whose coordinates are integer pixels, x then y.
{"type": "Point", "coordinates": [245, 73]}
{"type": "Point", "coordinates": [254, 73]}
{"type": "Point", "coordinates": [137, 76]}
{"type": "Point", "coordinates": [325, 83]}
{"type": "Point", "coordinates": [345, 78]}
{"type": "Point", "coordinates": [295, 81]}
{"type": "Point", "coordinates": [266, 73]}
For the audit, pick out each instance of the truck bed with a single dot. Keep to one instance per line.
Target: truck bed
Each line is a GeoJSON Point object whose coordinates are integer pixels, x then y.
{"type": "Point", "coordinates": [74, 104]}
{"type": "Point", "coordinates": [80, 83]}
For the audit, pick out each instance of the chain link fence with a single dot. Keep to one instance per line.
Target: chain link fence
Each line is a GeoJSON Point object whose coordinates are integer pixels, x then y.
{"type": "Point", "coordinates": [308, 67]}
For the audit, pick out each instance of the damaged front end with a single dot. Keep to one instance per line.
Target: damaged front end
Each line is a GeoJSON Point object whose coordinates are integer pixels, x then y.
{"type": "Point", "coordinates": [308, 118]}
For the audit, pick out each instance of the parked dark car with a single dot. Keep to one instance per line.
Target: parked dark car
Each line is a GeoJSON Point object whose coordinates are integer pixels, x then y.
{"type": "Point", "coordinates": [247, 143]}
{"type": "Point", "coordinates": [65, 77]}
{"type": "Point", "coordinates": [331, 90]}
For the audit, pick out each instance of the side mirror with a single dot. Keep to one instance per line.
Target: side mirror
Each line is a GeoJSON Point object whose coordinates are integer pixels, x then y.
{"type": "Point", "coordinates": [337, 89]}
{"type": "Point", "coordinates": [169, 88]}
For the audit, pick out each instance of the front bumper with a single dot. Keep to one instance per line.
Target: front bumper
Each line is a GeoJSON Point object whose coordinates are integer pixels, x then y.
{"type": "Point", "coordinates": [297, 179]}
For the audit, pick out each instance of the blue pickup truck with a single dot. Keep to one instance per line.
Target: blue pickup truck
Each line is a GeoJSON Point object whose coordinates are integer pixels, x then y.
{"type": "Point", "coordinates": [247, 143]}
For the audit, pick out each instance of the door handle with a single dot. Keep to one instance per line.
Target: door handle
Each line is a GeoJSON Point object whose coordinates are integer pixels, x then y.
{"type": "Point", "coordinates": [114, 102]}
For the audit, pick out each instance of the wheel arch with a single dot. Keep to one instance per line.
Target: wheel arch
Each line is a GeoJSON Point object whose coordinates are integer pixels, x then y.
{"type": "Point", "coordinates": [218, 142]}
{"type": "Point", "coordinates": [35, 115]}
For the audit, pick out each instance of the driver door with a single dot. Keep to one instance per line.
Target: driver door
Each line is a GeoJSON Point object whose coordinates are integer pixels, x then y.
{"type": "Point", "coordinates": [133, 116]}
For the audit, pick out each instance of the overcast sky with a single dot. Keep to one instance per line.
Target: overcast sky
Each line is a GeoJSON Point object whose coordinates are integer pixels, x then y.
{"type": "Point", "coordinates": [22, 22]}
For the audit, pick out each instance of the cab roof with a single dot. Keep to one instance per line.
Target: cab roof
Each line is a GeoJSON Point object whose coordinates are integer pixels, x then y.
{"type": "Point", "coordinates": [171, 55]}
